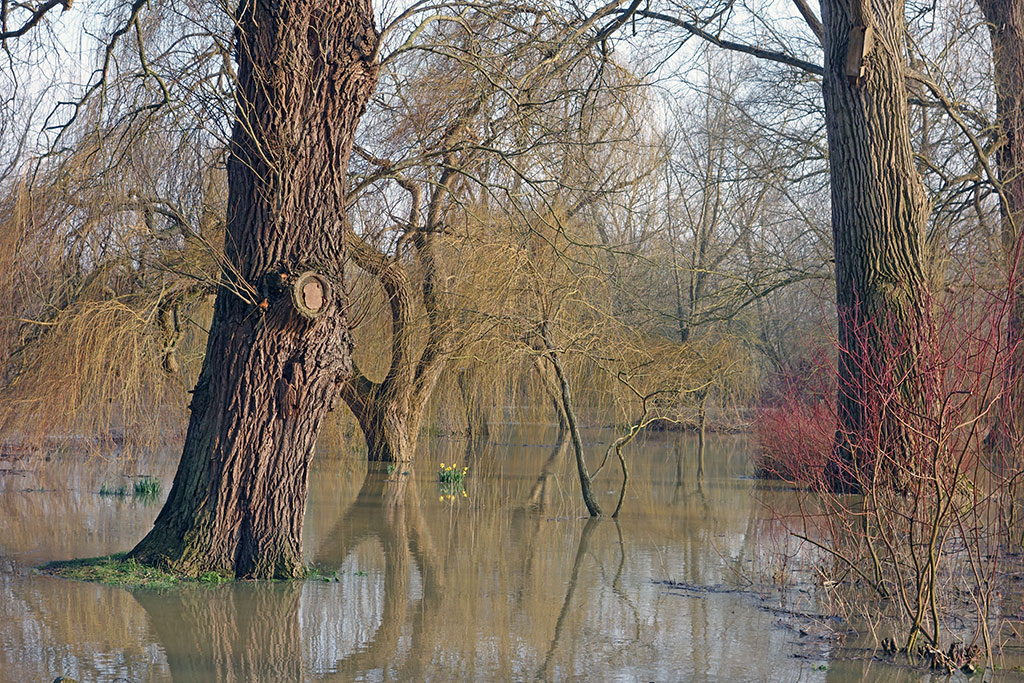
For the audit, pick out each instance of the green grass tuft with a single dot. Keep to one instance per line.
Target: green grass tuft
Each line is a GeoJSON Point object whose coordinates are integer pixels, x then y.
{"type": "Point", "coordinates": [215, 578]}
{"type": "Point", "coordinates": [110, 490]}
{"type": "Point", "coordinates": [320, 574]}
{"type": "Point", "coordinates": [147, 489]}
{"type": "Point", "coordinates": [124, 571]}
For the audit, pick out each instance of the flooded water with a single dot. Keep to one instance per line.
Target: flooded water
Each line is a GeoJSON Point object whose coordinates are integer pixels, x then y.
{"type": "Point", "coordinates": [506, 583]}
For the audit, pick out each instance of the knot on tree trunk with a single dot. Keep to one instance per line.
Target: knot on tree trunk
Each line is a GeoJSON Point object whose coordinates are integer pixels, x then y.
{"type": "Point", "coordinates": [309, 292]}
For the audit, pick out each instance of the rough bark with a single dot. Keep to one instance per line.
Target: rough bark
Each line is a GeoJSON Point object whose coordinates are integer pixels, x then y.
{"type": "Point", "coordinates": [879, 211]}
{"type": "Point", "coordinates": [1006, 30]}
{"type": "Point", "coordinates": [386, 418]}
{"type": "Point", "coordinates": [306, 69]}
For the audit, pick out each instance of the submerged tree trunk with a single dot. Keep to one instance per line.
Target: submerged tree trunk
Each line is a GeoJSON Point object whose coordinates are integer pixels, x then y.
{"type": "Point", "coordinates": [387, 420]}
{"type": "Point", "coordinates": [384, 409]}
{"type": "Point", "coordinates": [879, 211]}
{"type": "Point", "coordinates": [389, 412]}
{"type": "Point", "coordinates": [586, 486]}
{"type": "Point", "coordinates": [1006, 29]}
{"type": "Point", "coordinates": [702, 430]}
{"type": "Point", "coordinates": [279, 344]}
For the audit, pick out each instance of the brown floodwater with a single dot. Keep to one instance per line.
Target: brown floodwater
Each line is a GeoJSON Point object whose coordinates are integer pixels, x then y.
{"type": "Point", "coordinates": [694, 582]}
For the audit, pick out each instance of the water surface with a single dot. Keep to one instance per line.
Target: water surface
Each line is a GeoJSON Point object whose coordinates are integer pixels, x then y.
{"type": "Point", "coordinates": [508, 582]}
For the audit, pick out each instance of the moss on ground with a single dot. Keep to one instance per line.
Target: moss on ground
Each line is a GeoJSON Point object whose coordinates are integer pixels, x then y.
{"type": "Point", "coordinates": [121, 570]}
{"type": "Point", "coordinates": [112, 570]}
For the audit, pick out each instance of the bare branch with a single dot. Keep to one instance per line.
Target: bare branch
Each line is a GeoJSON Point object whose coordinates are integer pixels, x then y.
{"type": "Point", "coordinates": [35, 18]}
{"type": "Point", "coordinates": [760, 53]}
{"type": "Point", "coordinates": [812, 20]}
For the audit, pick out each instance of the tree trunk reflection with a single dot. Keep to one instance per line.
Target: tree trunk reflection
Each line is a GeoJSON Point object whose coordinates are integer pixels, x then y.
{"type": "Point", "coordinates": [399, 526]}
{"type": "Point", "coordinates": [233, 633]}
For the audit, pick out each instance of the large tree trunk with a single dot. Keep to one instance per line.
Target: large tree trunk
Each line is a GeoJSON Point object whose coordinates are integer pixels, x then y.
{"type": "Point", "coordinates": [279, 345]}
{"type": "Point", "coordinates": [879, 211]}
{"type": "Point", "coordinates": [1006, 29]}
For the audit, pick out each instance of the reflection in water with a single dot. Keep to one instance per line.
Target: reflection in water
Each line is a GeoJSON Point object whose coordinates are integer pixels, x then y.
{"type": "Point", "coordinates": [507, 584]}
{"type": "Point", "coordinates": [50, 627]}
{"type": "Point", "coordinates": [581, 552]}
{"type": "Point", "coordinates": [387, 510]}
{"type": "Point", "coordinates": [231, 633]}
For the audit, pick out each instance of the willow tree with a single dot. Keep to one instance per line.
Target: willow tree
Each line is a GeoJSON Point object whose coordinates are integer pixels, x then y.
{"type": "Point", "coordinates": [279, 344]}
{"type": "Point", "coordinates": [470, 114]}
{"type": "Point", "coordinates": [879, 210]}
{"type": "Point", "coordinates": [389, 410]}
